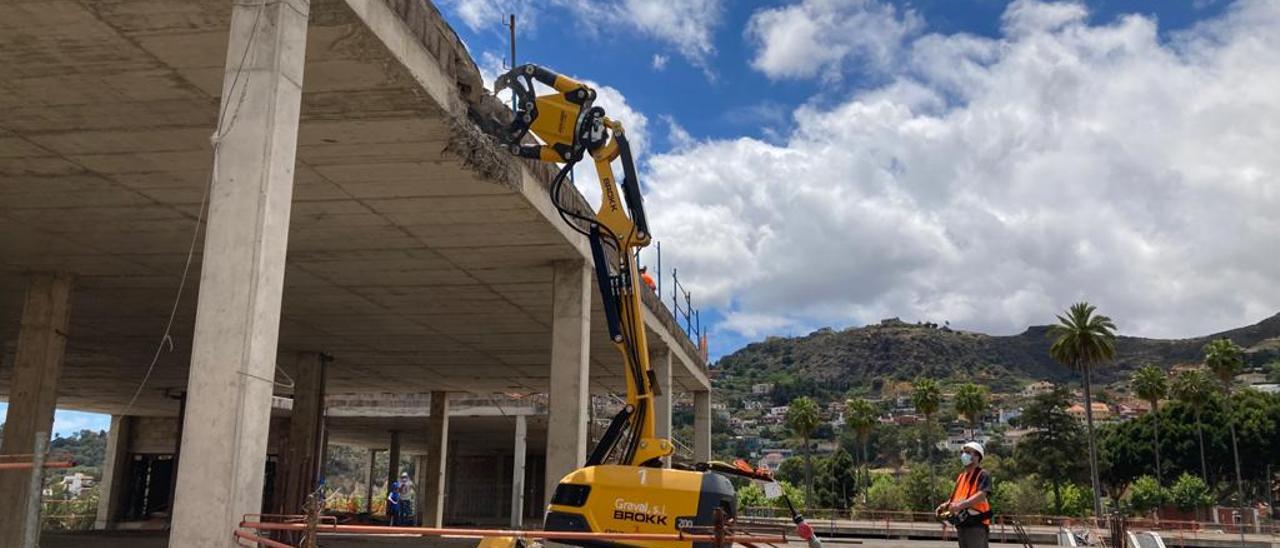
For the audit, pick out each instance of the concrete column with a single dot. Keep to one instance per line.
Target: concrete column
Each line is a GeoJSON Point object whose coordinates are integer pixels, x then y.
{"type": "Point", "coordinates": [570, 354]}
{"type": "Point", "coordinates": [33, 393]}
{"type": "Point", "coordinates": [177, 450]}
{"type": "Point", "coordinates": [517, 473]}
{"type": "Point", "coordinates": [238, 314]}
{"type": "Point", "coordinates": [306, 432]}
{"type": "Point", "coordinates": [112, 487]}
{"type": "Point", "coordinates": [419, 479]}
{"type": "Point", "coordinates": [393, 464]}
{"type": "Point", "coordinates": [702, 426]}
{"type": "Point", "coordinates": [368, 482]}
{"type": "Point", "coordinates": [433, 475]}
{"type": "Point", "coordinates": [661, 363]}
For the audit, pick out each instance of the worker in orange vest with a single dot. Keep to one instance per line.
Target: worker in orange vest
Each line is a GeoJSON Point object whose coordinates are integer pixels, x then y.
{"type": "Point", "coordinates": [968, 509]}
{"type": "Point", "coordinates": [648, 280]}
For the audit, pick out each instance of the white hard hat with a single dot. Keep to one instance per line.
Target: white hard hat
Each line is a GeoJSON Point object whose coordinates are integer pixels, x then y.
{"type": "Point", "coordinates": [977, 447]}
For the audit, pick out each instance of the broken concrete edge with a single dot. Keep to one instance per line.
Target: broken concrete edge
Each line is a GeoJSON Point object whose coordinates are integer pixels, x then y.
{"type": "Point", "coordinates": [481, 152]}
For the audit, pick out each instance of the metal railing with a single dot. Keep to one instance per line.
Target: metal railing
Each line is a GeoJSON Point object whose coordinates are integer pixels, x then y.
{"type": "Point", "coordinates": [1092, 531]}
{"type": "Point", "coordinates": [692, 317]}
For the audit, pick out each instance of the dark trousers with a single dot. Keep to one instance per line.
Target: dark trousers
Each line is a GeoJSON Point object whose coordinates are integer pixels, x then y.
{"type": "Point", "coordinates": [974, 536]}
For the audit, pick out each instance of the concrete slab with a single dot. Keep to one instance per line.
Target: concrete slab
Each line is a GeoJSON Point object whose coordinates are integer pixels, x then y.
{"type": "Point", "coordinates": [419, 253]}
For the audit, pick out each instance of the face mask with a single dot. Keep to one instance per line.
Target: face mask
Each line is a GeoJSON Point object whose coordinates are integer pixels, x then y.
{"type": "Point", "coordinates": [966, 458]}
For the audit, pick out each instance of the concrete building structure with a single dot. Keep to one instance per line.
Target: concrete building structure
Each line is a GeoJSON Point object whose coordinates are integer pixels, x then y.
{"type": "Point", "coordinates": [348, 207]}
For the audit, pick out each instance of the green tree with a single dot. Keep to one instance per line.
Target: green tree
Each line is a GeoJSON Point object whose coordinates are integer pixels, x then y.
{"type": "Point", "coordinates": [1083, 341]}
{"type": "Point", "coordinates": [803, 418]}
{"type": "Point", "coordinates": [1023, 496]}
{"type": "Point", "coordinates": [1052, 449]}
{"type": "Point", "coordinates": [1150, 384]}
{"type": "Point", "coordinates": [927, 398]}
{"type": "Point", "coordinates": [1194, 388]}
{"type": "Point", "coordinates": [752, 496]}
{"type": "Point", "coordinates": [885, 494]}
{"type": "Point", "coordinates": [837, 480]}
{"type": "Point", "coordinates": [971, 402]}
{"type": "Point", "coordinates": [860, 416]}
{"type": "Point", "coordinates": [1146, 494]}
{"type": "Point", "coordinates": [1226, 359]}
{"type": "Point", "coordinates": [922, 490]}
{"type": "Point", "coordinates": [1075, 501]}
{"type": "Point", "coordinates": [1190, 493]}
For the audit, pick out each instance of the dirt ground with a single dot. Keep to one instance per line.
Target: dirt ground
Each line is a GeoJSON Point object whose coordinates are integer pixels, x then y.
{"type": "Point", "coordinates": [158, 540]}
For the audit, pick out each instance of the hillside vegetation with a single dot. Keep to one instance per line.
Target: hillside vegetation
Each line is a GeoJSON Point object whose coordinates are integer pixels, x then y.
{"type": "Point", "coordinates": [867, 359]}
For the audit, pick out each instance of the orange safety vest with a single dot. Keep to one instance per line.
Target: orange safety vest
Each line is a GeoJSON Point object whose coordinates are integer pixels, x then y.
{"type": "Point", "coordinates": [967, 486]}
{"type": "Point", "coordinates": [648, 280]}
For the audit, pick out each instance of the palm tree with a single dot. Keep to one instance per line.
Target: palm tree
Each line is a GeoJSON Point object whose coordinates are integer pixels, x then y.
{"type": "Point", "coordinates": [860, 416]}
{"type": "Point", "coordinates": [1083, 341]}
{"type": "Point", "coordinates": [1150, 384]}
{"type": "Point", "coordinates": [1193, 388]}
{"type": "Point", "coordinates": [971, 401]}
{"type": "Point", "coordinates": [1226, 359]}
{"type": "Point", "coordinates": [803, 419]}
{"type": "Point", "coordinates": [927, 398]}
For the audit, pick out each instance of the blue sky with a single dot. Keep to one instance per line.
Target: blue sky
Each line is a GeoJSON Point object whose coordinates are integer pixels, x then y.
{"type": "Point", "coordinates": [66, 423]}
{"type": "Point", "coordinates": [812, 163]}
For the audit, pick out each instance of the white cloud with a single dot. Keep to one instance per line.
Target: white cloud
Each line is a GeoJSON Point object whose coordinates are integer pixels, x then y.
{"type": "Point", "coordinates": [817, 37]}
{"type": "Point", "coordinates": [491, 15]}
{"type": "Point", "coordinates": [676, 134]}
{"type": "Point", "coordinates": [659, 61]}
{"type": "Point", "coordinates": [686, 26]}
{"type": "Point", "coordinates": [992, 182]}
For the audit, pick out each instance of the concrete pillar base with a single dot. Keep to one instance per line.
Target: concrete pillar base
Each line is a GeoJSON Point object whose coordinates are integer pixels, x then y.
{"type": "Point", "coordinates": [33, 395]}
{"type": "Point", "coordinates": [433, 475]}
{"type": "Point", "coordinates": [570, 354]}
{"type": "Point", "coordinates": [702, 426]}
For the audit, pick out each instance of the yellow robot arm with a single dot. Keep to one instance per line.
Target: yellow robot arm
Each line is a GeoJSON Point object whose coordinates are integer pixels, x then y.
{"type": "Point", "coordinates": [571, 128]}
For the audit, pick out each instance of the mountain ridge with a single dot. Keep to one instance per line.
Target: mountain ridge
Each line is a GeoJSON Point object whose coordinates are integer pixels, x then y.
{"type": "Point", "coordinates": [867, 357]}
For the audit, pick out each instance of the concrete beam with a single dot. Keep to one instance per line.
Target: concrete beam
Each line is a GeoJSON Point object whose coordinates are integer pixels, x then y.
{"type": "Point", "coordinates": [570, 357]}
{"type": "Point", "coordinates": [519, 452]}
{"type": "Point", "coordinates": [680, 354]}
{"type": "Point", "coordinates": [242, 275]}
{"type": "Point", "coordinates": [112, 487]}
{"type": "Point", "coordinates": [33, 392]}
{"type": "Point", "coordinates": [302, 459]}
{"type": "Point", "coordinates": [702, 426]}
{"type": "Point", "coordinates": [433, 476]}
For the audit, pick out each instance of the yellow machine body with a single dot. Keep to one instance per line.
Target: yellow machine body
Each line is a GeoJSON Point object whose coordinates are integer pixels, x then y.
{"type": "Point", "coordinates": [612, 498]}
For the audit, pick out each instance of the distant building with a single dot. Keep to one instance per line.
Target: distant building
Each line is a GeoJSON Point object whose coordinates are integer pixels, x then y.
{"type": "Point", "coordinates": [1037, 388]}
{"type": "Point", "coordinates": [1014, 436]}
{"type": "Point", "coordinates": [779, 411]}
{"type": "Point", "coordinates": [77, 482]}
{"type": "Point", "coordinates": [1003, 416]}
{"type": "Point", "coordinates": [772, 461]}
{"type": "Point", "coordinates": [1100, 412]}
{"type": "Point", "coordinates": [760, 389]}
{"type": "Point", "coordinates": [755, 405]}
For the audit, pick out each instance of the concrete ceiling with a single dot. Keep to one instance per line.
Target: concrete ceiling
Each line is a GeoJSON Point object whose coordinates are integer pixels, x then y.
{"type": "Point", "coordinates": [412, 267]}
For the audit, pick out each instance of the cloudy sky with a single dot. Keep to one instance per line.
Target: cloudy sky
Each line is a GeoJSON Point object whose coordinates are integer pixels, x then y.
{"type": "Point", "coordinates": [815, 163]}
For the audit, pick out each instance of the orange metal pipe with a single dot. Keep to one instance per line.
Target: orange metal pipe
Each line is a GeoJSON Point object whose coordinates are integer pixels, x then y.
{"type": "Point", "coordinates": [550, 535]}
{"type": "Point", "coordinates": [255, 538]}
{"type": "Point", "coordinates": [25, 465]}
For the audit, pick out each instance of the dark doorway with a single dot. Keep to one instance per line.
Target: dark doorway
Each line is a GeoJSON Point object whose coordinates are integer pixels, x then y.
{"type": "Point", "coordinates": [150, 481]}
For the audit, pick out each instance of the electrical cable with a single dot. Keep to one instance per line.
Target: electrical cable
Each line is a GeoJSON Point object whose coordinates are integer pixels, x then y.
{"type": "Point", "coordinates": [216, 141]}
